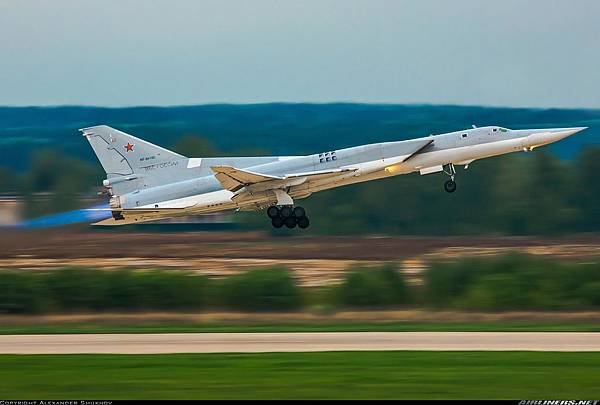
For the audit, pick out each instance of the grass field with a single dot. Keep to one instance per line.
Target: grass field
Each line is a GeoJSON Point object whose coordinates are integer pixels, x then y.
{"type": "Point", "coordinates": [300, 327]}
{"type": "Point", "coordinates": [341, 375]}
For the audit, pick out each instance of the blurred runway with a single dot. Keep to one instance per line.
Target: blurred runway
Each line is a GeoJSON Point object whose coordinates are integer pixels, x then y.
{"type": "Point", "coordinates": [297, 342]}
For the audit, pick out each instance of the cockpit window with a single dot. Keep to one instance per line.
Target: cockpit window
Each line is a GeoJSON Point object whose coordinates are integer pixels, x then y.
{"type": "Point", "coordinates": [503, 130]}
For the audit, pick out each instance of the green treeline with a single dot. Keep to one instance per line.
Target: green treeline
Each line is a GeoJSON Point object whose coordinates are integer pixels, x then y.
{"type": "Point", "coordinates": [511, 282]}
{"type": "Point", "coordinates": [75, 289]}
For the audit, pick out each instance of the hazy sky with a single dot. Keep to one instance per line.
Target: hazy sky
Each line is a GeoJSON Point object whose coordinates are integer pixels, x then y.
{"type": "Point", "coordinates": [541, 53]}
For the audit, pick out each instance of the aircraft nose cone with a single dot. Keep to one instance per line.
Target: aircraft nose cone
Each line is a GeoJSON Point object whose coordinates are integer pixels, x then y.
{"type": "Point", "coordinates": [546, 136]}
{"type": "Point", "coordinates": [564, 132]}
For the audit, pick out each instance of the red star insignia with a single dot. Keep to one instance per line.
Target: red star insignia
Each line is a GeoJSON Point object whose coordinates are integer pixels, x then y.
{"type": "Point", "coordinates": [128, 147]}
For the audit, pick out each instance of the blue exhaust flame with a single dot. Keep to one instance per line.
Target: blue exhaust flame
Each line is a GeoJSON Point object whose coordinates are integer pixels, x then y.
{"type": "Point", "coordinates": [91, 214]}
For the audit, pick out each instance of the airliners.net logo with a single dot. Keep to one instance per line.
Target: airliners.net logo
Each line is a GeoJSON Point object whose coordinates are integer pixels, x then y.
{"type": "Point", "coordinates": [558, 402]}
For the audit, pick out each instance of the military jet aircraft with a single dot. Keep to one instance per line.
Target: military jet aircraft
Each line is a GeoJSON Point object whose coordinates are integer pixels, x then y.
{"type": "Point", "coordinates": [147, 182]}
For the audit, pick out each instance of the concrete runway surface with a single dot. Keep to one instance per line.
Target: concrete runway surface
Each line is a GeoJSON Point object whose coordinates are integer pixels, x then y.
{"type": "Point", "coordinates": [153, 343]}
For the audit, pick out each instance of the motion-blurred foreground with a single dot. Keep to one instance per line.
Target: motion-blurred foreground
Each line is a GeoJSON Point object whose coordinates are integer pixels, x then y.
{"type": "Point", "coordinates": [79, 271]}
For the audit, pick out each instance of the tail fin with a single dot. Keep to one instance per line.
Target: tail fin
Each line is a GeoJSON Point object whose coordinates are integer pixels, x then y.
{"type": "Point", "coordinates": [125, 157]}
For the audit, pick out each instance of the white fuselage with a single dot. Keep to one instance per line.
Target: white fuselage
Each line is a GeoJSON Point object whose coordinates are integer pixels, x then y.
{"type": "Point", "coordinates": [368, 162]}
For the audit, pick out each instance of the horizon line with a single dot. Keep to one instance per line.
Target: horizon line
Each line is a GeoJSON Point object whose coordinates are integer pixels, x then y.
{"type": "Point", "coordinates": [316, 103]}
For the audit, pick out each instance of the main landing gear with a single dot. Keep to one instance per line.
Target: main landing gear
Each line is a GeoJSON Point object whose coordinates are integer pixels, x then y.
{"type": "Point", "coordinates": [450, 185]}
{"type": "Point", "coordinates": [288, 215]}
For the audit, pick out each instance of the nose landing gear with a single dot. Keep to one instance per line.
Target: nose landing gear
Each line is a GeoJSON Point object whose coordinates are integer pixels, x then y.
{"type": "Point", "coordinates": [289, 216]}
{"type": "Point", "coordinates": [450, 185]}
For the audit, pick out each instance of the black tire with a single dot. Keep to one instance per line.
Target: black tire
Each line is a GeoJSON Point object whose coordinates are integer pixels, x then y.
{"type": "Point", "coordinates": [290, 222]}
{"type": "Point", "coordinates": [272, 212]}
{"type": "Point", "coordinates": [303, 222]}
{"type": "Point", "coordinates": [277, 222]}
{"type": "Point", "coordinates": [299, 212]}
{"type": "Point", "coordinates": [450, 186]}
{"type": "Point", "coordinates": [286, 211]}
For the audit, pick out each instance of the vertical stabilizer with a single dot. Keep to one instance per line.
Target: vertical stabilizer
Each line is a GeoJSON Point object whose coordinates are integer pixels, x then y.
{"type": "Point", "coordinates": [127, 159]}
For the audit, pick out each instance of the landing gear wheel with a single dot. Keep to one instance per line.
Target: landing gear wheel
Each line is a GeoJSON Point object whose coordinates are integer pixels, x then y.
{"type": "Point", "coordinates": [299, 212]}
{"type": "Point", "coordinates": [277, 222]}
{"type": "Point", "coordinates": [286, 211]}
{"type": "Point", "coordinates": [303, 222]}
{"type": "Point", "coordinates": [290, 222]}
{"type": "Point", "coordinates": [450, 186]}
{"type": "Point", "coordinates": [272, 212]}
